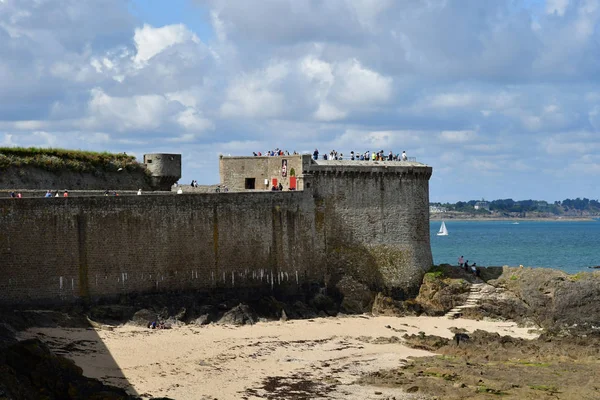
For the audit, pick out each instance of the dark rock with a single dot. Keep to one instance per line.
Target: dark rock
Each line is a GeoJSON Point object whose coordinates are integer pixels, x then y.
{"type": "Point", "coordinates": [29, 370]}
{"type": "Point", "coordinates": [115, 312]}
{"type": "Point", "coordinates": [357, 298]}
{"type": "Point", "coordinates": [324, 303]}
{"type": "Point", "coordinates": [301, 310]}
{"type": "Point", "coordinates": [142, 317]}
{"type": "Point", "coordinates": [7, 336]}
{"type": "Point", "coordinates": [201, 320]}
{"type": "Point", "coordinates": [460, 337]}
{"type": "Point", "coordinates": [386, 305]}
{"type": "Point", "coordinates": [551, 299]}
{"type": "Point", "coordinates": [239, 315]}
{"type": "Point", "coordinates": [180, 316]}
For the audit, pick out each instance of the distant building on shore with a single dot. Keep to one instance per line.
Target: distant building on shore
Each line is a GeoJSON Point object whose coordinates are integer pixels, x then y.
{"type": "Point", "coordinates": [437, 209]}
{"type": "Point", "coordinates": [482, 205]}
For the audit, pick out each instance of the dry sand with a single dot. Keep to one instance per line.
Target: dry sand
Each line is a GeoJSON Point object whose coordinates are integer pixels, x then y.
{"type": "Point", "coordinates": [299, 359]}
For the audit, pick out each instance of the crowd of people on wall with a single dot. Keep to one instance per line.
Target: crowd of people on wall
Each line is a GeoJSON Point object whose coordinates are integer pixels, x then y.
{"type": "Point", "coordinates": [274, 153]}
{"type": "Point", "coordinates": [334, 155]}
{"type": "Point", "coordinates": [366, 156]}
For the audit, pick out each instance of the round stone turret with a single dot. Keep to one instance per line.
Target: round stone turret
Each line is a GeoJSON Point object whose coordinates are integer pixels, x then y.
{"type": "Point", "coordinates": [165, 169]}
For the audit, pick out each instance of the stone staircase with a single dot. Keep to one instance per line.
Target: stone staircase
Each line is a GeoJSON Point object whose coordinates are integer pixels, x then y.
{"type": "Point", "coordinates": [475, 293]}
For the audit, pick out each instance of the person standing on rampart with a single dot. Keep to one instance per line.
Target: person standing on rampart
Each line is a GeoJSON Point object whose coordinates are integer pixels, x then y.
{"type": "Point", "coordinates": [404, 156]}
{"type": "Point", "coordinates": [461, 261]}
{"type": "Point", "coordinates": [316, 154]}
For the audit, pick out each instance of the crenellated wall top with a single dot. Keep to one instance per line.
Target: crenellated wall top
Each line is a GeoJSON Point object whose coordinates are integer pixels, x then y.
{"type": "Point", "coordinates": [344, 167]}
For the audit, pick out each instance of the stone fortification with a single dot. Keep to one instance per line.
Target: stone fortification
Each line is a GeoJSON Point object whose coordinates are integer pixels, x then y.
{"type": "Point", "coordinates": [89, 247]}
{"type": "Point", "coordinates": [382, 208]}
{"type": "Point", "coordinates": [361, 222]}
{"type": "Point", "coordinates": [164, 169]}
{"type": "Point", "coordinates": [87, 171]}
{"type": "Point", "coordinates": [18, 178]}
{"type": "Point", "coordinates": [261, 173]}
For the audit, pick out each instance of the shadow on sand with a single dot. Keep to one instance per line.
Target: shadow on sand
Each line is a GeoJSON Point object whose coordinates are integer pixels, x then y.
{"type": "Point", "coordinates": [37, 350]}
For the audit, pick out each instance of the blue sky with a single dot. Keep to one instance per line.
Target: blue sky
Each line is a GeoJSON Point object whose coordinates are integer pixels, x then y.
{"type": "Point", "coordinates": [501, 98]}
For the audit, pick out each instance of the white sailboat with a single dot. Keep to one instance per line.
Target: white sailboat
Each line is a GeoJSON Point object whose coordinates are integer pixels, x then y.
{"type": "Point", "coordinates": [443, 231]}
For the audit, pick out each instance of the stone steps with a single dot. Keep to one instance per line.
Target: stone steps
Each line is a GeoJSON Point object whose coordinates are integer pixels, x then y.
{"type": "Point", "coordinates": [472, 301]}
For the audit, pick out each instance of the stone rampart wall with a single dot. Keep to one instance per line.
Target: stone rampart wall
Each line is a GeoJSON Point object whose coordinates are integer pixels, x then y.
{"type": "Point", "coordinates": [64, 249]}
{"type": "Point", "coordinates": [26, 177]}
{"type": "Point", "coordinates": [369, 224]}
{"type": "Point", "coordinates": [384, 214]}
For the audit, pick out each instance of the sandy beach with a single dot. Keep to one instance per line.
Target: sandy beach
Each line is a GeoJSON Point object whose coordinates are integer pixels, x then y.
{"type": "Point", "coordinates": [273, 360]}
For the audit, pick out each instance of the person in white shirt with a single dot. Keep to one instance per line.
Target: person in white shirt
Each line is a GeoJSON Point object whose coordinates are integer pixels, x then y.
{"type": "Point", "coordinates": [404, 157]}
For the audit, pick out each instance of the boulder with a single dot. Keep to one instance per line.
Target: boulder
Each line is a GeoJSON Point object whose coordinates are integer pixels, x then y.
{"type": "Point", "coordinates": [325, 304]}
{"type": "Point", "coordinates": [440, 293]}
{"type": "Point", "coordinates": [239, 315]}
{"type": "Point", "coordinates": [201, 320]}
{"type": "Point", "coordinates": [143, 316]}
{"type": "Point", "coordinates": [357, 298]}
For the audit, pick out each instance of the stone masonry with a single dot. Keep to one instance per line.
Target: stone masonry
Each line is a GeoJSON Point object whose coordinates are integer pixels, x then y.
{"type": "Point", "coordinates": [367, 221]}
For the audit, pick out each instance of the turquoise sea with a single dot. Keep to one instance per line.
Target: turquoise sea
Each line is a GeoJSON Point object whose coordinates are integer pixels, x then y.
{"type": "Point", "coordinates": [569, 246]}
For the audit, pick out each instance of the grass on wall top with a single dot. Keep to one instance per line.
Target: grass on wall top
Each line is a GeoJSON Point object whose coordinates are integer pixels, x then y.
{"type": "Point", "coordinates": [62, 159]}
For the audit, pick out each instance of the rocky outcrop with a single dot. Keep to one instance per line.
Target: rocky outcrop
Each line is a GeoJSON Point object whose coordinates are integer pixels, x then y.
{"type": "Point", "coordinates": [442, 290]}
{"type": "Point", "coordinates": [239, 315]}
{"type": "Point", "coordinates": [29, 370]}
{"type": "Point", "coordinates": [548, 298]}
{"type": "Point", "coordinates": [487, 365]}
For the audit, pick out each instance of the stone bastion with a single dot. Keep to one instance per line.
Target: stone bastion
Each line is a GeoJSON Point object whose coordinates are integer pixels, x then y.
{"type": "Point", "coordinates": [336, 222]}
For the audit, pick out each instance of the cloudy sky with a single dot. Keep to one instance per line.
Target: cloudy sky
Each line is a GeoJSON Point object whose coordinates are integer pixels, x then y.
{"type": "Point", "coordinates": [501, 97]}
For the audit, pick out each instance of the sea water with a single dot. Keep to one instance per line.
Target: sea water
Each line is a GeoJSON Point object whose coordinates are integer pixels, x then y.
{"type": "Point", "coordinates": [566, 245]}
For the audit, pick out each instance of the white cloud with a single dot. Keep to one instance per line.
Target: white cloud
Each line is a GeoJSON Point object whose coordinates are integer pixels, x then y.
{"type": "Point", "coordinates": [361, 86]}
{"type": "Point", "coordinates": [452, 100]}
{"type": "Point", "coordinates": [436, 78]}
{"type": "Point", "coordinates": [329, 112]}
{"type": "Point", "coordinates": [457, 136]}
{"type": "Point", "coordinates": [256, 95]}
{"type": "Point", "coordinates": [126, 113]}
{"type": "Point", "coordinates": [150, 41]}
{"type": "Point", "coordinates": [191, 119]}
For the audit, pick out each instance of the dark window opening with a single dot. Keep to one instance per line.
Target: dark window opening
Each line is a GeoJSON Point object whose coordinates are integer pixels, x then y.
{"type": "Point", "coordinates": [149, 161]}
{"type": "Point", "coordinates": [250, 183]}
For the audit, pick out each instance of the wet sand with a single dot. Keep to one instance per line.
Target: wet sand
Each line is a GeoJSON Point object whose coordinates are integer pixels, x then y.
{"type": "Point", "coordinates": [298, 359]}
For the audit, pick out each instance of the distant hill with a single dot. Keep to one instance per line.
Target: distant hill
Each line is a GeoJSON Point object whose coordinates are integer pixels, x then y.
{"type": "Point", "coordinates": [521, 208]}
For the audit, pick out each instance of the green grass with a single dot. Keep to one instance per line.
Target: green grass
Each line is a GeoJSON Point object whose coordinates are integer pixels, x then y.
{"type": "Point", "coordinates": [62, 159]}
{"type": "Point", "coordinates": [533, 364]}
{"type": "Point", "coordinates": [485, 389]}
{"type": "Point", "coordinates": [545, 388]}
{"type": "Point", "coordinates": [430, 276]}
{"type": "Point", "coordinates": [576, 277]}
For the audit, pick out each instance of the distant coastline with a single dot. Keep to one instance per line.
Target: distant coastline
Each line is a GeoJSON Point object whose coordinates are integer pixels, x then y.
{"type": "Point", "coordinates": [466, 217]}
